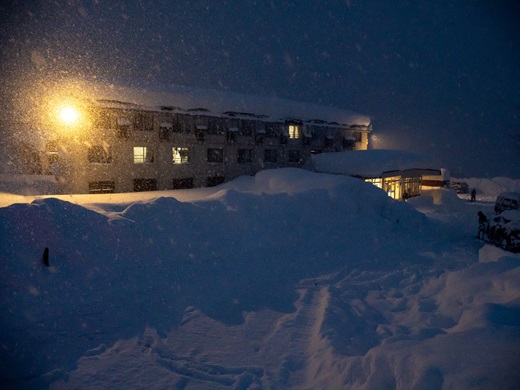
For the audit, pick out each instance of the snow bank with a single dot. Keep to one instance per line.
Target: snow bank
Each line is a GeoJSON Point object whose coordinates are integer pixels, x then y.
{"type": "Point", "coordinates": [289, 279]}
{"type": "Point", "coordinates": [370, 163]}
{"type": "Point", "coordinates": [489, 189]}
{"type": "Point", "coordinates": [28, 184]}
{"type": "Point", "coordinates": [217, 102]}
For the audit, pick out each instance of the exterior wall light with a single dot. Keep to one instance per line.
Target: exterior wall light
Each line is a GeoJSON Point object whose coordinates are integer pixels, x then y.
{"type": "Point", "coordinates": [68, 115]}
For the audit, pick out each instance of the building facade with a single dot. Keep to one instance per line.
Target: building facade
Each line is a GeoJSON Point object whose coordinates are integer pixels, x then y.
{"type": "Point", "coordinates": [400, 174]}
{"type": "Point", "coordinates": [115, 146]}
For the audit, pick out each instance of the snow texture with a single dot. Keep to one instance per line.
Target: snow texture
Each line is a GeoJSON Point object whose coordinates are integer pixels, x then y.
{"type": "Point", "coordinates": [286, 280]}
{"type": "Point", "coordinates": [211, 102]}
{"type": "Point", "coordinates": [371, 163]}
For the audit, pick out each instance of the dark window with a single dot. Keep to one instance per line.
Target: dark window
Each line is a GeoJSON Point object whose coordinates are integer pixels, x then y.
{"type": "Point", "coordinates": [317, 132]}
{"type": "Point", "coordinates": [164, 133]}
{"type": "Point", "coordinates": [215, 155]}
{"type": "Point", "coordinates": [99, 154]}
{"type": "Point", "coordinates": [103, 120]}
{"type": "Point", "coordinates": [201, 123]}
{"type": "Point", "coordinates": [52, 157]}
{"type": "Point", "coordinates": [30, 159]}
{"type": "Point", "coordinates": [231, 136]}
{"type": "Point", "coordinates": [213, 181]}
{"type": "Point", "coordinates": [246, 127]}
{"type": "Point", "coordinates": [271, 130]}
{"type": "Point", "coordinates": [123, 126]}
{"type": "Point", "coordinates": [52, 153]}
{"type": "Point", "coordinates": [244, 156]}
{"type": "Point", "coordinates": [201, 135]}
{"type": "Point", "coordinates": [180, 125]}
{"type": "Point", "coordinates": [186, 124]}
{"type": "Point", "coordinates": [143, 121]}
{"type": "Point", "coordinates": [329, 141]}
{"type": "Point", "coordinates": [215, 126]}
{"type": "Point", "coordinates": [348, 143]}
{"type": "Point", "coordinates": [180, 184]}
{"type": "Point", "coordinates": [145, 185]}
{"type": "Point", "coordinates": [123, 131]}
{"type": "Point", "coordinates": [101, 187]}
{"type": "Point", "coordinates": [294, 156]}
{"type": "Point", "coordinates": [271, 155]}
{"type": "Point", "coordinates": [164, 130]}
{"type": "Point", "coordinates": [233, 124]}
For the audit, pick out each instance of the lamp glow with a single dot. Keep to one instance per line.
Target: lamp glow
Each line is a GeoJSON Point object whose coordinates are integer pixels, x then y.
{"type": "Point", "coordinates": [68, 115]}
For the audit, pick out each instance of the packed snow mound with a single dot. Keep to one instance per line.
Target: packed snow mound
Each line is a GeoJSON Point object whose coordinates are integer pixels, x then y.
{"type": "Point", "coordinates": [213, 102]}
{"type": "Point", "coordinates": [289, 279]}
{"type": "Point", "coordinates": [370, 163]}
{"type": "Point", "coordinates": [489, 189]}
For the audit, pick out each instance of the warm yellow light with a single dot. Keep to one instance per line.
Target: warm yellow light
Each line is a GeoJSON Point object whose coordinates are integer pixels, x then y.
{"type": "Point", "coordinates": [68, 115]}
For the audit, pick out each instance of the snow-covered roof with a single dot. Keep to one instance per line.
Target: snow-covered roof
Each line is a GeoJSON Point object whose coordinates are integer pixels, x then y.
{"type": "Point", "coordinates": [370, 163]}
{"type": "Point", "coordinates": [199, 101]}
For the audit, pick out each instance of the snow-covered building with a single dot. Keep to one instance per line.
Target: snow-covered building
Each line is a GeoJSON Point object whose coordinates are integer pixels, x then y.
{"type": "Point", "coordinates": [401, 174]}
{"type": "Point", "coordinates": [117, 139]}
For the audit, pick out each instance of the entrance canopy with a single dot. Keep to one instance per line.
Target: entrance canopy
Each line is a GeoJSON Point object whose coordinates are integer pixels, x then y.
{"type": "Point", "coordinates": [399, 173]}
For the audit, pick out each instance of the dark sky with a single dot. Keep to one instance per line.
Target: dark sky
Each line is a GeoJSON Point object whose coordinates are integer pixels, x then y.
{"type": "Point", "coordinates": [436, 76]}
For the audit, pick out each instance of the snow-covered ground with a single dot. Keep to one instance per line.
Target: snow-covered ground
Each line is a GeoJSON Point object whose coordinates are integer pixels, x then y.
{"type": "Point", "coordinates": [289, 279]}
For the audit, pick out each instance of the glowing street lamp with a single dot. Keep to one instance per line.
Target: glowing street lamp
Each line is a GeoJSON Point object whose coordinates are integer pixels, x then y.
{"type": "Point", "coordinates": [68, 115]}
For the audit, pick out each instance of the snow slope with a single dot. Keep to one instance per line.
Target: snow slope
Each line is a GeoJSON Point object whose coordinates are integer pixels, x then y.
{"type": "Point", "coordinates": [289, 279]}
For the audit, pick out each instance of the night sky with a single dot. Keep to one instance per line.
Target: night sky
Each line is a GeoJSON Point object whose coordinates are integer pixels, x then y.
{"type": "Point", "coordinates": [441, 77]}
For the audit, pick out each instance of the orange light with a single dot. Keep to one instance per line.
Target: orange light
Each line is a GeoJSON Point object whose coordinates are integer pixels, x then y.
{"type": "Point", "coordinates": [68, 115]}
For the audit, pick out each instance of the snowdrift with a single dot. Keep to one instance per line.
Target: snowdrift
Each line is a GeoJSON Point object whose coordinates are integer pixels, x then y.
{"type": "Point", "coordinates": [290, 279]}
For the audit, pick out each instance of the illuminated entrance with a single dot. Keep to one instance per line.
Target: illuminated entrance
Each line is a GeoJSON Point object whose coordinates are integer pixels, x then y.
{"type": "Point", "coordinates": [401, 185]}
{"type": "Point", "coordinates": [392, 186]}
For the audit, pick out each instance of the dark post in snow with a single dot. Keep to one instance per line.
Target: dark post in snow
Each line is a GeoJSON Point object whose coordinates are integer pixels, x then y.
{"type": "Point", "coordinates": [45, 257]}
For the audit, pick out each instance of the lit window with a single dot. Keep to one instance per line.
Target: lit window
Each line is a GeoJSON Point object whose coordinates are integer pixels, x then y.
{"type": "Point", "coordinates": [180, 155]}
{"type": "Point", "coordinates": [294, 132]}
{"type": "Point", "coordinates": [375, 181]}
{"type": "Point", "coordinates": [142, 154]}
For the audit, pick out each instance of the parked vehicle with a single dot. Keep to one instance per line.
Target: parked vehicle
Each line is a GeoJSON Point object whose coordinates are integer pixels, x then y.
{"type": "Point", "coordinates": [507, 201]}
{"type": "Point", "coordinates": [503, 230]}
